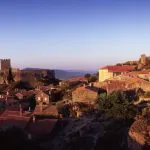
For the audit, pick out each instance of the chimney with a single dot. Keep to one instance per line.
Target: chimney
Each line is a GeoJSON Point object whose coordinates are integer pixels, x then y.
{"type": "Point", "coordinates": [84, 85]}
{"type": "Point", "coordinates": [33, 119]}
{"type": "Point", "coordinates": [20, 108]}
{"type": "Point", "coordinates": [29, 109]}
{"type": "Point", "coordinates": [6, 100]}
{"type": "Point", "coordinates": [50, 92]}
{"type": "Point", "coordinates": [91, 84]}
{"type": "Point", "coordinates": [60, 83]}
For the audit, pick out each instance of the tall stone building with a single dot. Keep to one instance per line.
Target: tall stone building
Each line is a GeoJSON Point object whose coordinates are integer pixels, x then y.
{"type": "Point", "coordinates": [5, 65]}
{"type": "Point", "coordinates": [5, 71]}
{"type": "Point", "coordinates": [144, 60]}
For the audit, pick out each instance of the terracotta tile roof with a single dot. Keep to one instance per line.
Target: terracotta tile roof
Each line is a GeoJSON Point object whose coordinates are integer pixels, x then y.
{"type": "Point", "coordinates": [133, 80]}
{"type": "Point", "coordinates": [14, 113]}
{"type": "Point", "coordinates": [25, 93]}
{"type": "Point", "coordinates": [37, 110]}
{"type": "Point", "coordinates": [144, 72]}
{"type": "Point", "coordinates": [11, 100]}
{"type": "Point", "coordinates": [51, 110]}
{"type": "Point", "coordinates": [114, 85]}
{"type": "Point", "coordinates": [85, 94]}
{"type": "Point", "coordinates": [78, 79]}
{"type": "Point", "coordinates": [85, 89]}
{"type": "Point", "coordinates": [124, 68]}
{"type": "Point", "coordinates": [9, 121]}
{"type": "Point", "coordinates": [47, 110]}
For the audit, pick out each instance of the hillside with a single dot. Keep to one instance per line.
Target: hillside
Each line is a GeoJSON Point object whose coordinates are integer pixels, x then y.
{"type": "Point", "coordinates": [37, 77]}
{"type": "Point", "coordinates": [65, 74]}
{"type": "Point", "coordinates": [68, 74]}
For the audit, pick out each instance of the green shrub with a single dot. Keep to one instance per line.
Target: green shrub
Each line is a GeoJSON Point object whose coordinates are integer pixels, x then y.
{"type": "Point", "coordinates": [145, 112]}
{"type": "Point", "coordinates": [63, 109]}
{"type": "Point", "coordinates": [116, 105]}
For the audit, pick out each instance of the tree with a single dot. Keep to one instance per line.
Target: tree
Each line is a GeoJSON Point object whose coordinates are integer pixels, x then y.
{"type": "Point", "coordinates": [63, 109]}
{"type": "Point", "coordinates": [116, 105]}
{"type": "Point", "coordinates": [32, 102]}
{"type": "Point", "coordinates": [87, 76]}
{"type": "Point", "coordinates": [92, 79]}
{"type": "Point", "coordinates": [10, 76]}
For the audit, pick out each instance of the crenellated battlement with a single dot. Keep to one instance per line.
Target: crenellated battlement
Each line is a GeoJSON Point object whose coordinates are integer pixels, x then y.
{"type": "Point", "coordinates": [4, 59]}
{"type": "Point", "coordinates": [5, 64]}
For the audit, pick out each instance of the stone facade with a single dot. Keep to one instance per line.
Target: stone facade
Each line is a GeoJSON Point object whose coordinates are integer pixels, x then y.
{"type": "Point", "coordinates": [43, 98]}
{"type": "Point", "coordinates": [85, 94]}
{"type": "Point", "coordinates": [5, 71]}
{"type": "Point", "coordinates": [143, 60]}
{"type": "Point", "coordinates": [5, 64]}
{"type": "Point", "coordinates": [110, 72]}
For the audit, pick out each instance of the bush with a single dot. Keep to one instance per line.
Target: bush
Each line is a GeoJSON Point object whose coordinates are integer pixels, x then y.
{"type": "Point", "coordinates": [116, 105]}
{"type": "Point", "coordinates": [145, 112]}
{"type": "Point", "coordinates": [63, 109]}
{"type": "Point", "coordinates": [87, 76]}
{"type": "Point", "coordinates": [92, 79]}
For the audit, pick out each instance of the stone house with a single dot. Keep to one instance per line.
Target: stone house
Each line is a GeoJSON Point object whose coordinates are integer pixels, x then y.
{"type": "Point", "coordinates": [2, 96]}
{"type": "Point", "coordinates": [110, 72]}
{"type": "Point", "coordinates": [85, 94]}
{"type": "Point", "coordinates": [20, 96]}
{"type": "Point", "coordinates": [43, 97]}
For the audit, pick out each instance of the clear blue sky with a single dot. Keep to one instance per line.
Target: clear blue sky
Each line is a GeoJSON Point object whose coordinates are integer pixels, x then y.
{"type": "Point", "coordinates": [73, 34]}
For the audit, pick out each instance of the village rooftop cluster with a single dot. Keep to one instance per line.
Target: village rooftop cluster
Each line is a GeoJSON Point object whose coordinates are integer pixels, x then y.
{"type": "Point", "coordinates": [38, 109]}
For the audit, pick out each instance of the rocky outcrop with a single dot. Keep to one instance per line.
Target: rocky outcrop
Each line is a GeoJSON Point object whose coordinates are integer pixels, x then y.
{"type": "Point", "coordinates": [79, 134]}
{"type": "Point", "coordinates": [91, 133]}
{"type": "Point", "coordinates": [139, 134]}
{"type": "Point", "coordinates": [37, 77]}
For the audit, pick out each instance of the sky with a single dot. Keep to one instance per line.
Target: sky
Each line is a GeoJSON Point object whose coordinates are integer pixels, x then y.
{"type": "Point", "coordinates": [73, 34]}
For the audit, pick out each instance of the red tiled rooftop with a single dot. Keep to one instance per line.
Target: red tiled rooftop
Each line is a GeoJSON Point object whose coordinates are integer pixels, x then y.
{"type": "Point", "coordinates": [18, 121]}
{"type": "Point", "coordinates": [50, 110]}
{"type": "Point", "coordinates": [145, 71]}
{"type": "Point", "coordinates": [124, 68]}
{"type": "Point", "coordinates": [133, 80]}
{"type": "Point", "coordinates": [85, 89]}
{"type": "Point", "coordinates": [78, 79]}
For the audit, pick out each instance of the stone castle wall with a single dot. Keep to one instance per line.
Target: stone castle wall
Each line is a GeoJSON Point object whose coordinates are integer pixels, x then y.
{"type": "Point", "coordinates": [5, 64]}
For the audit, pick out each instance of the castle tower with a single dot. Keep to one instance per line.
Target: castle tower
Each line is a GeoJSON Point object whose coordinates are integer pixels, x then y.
{"type": "Point", "coordinates": [6, 71]}
{"type": "Point", "coordinates": [144, 60]}
{"type": "Point", "coordinates": [5, 65]}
